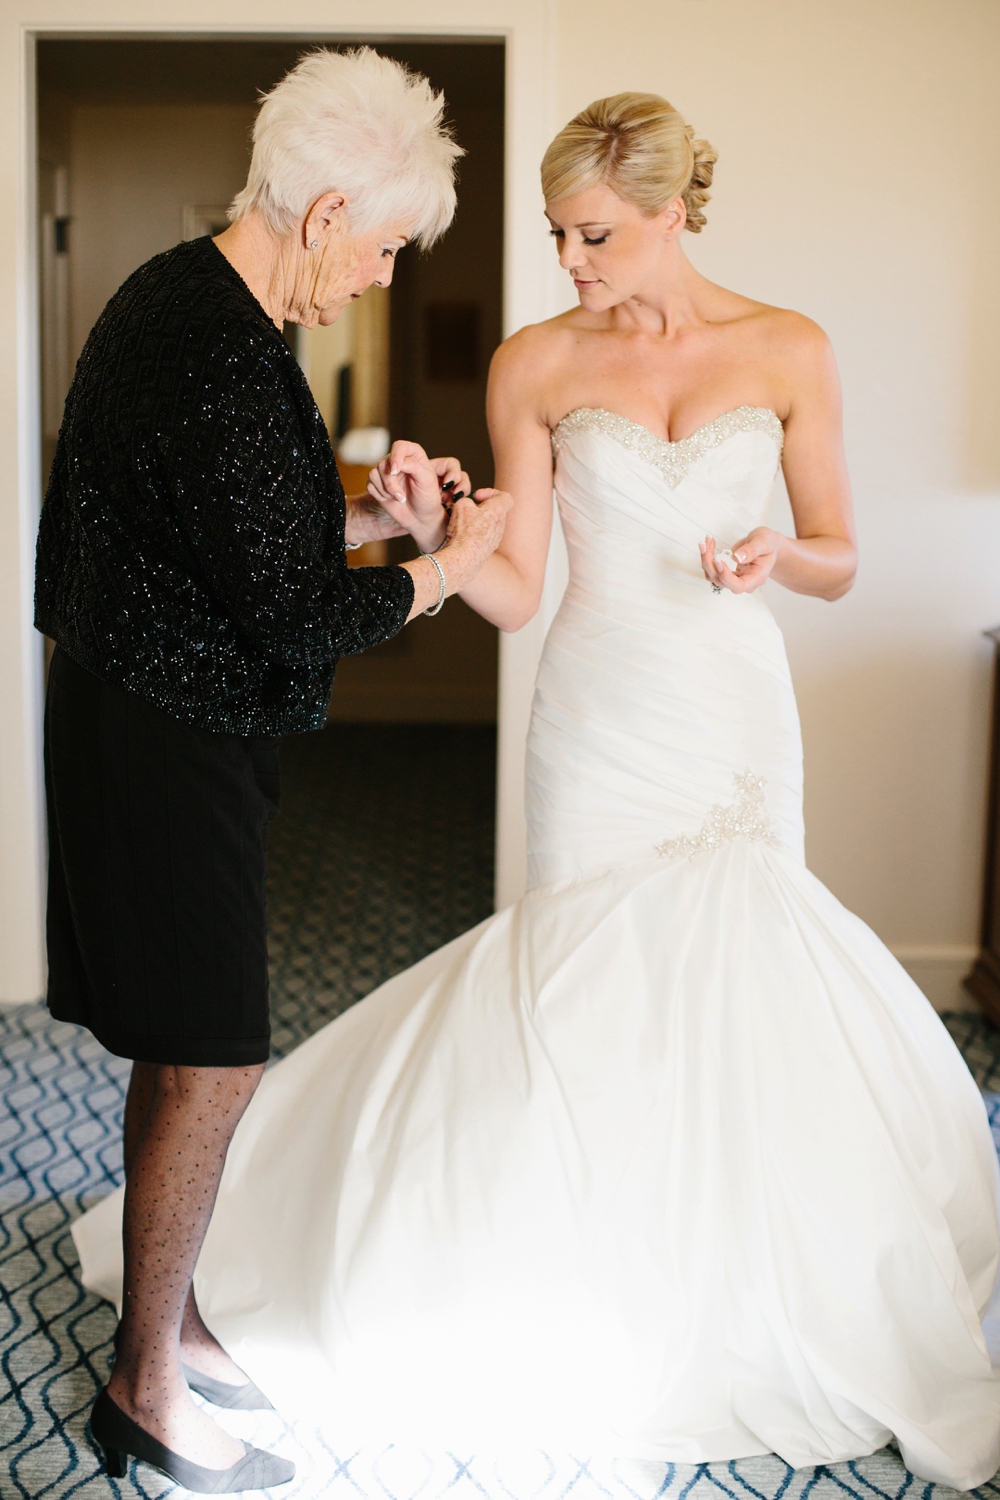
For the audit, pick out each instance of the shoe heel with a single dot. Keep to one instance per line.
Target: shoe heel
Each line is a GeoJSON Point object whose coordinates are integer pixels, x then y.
{"type": "Point", "coordinates": [115, 1463]}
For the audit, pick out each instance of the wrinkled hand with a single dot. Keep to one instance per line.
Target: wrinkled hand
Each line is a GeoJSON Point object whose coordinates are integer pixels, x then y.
{"type": "Point", "coordinates": [417, 492]}
{"type": "Point", "coordinates": [475, 530]}
{"type": "Point", "coordinates": [755, 556]}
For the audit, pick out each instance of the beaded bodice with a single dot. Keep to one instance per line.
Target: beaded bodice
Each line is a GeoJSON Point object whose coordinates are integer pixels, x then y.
{"type": "Point", "coordinates": [673, 459]}
{"type": "Point", "coordinates": [635, 506]}
{"type": "Point", "coordinates": [666, 708]}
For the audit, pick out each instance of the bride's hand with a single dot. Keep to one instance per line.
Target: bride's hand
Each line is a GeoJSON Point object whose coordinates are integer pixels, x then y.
{"type": "Point", "coordinates": [417, 492]}
{"type": "Point", "coordinates": [754, 556]}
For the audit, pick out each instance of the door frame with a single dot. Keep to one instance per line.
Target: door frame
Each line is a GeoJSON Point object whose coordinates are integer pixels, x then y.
{"type": "Point", "coordinates": [530, 292]}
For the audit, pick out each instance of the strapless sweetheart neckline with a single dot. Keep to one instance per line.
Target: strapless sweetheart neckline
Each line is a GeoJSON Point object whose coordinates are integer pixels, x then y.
{"type": "Point", "coordinates": [723, 416]}
{"type": "Point", "coordinates": [672, 457]}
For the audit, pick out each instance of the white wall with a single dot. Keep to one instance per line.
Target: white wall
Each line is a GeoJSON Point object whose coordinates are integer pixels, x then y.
{"type": "Point", "coordinates": [857, 182]}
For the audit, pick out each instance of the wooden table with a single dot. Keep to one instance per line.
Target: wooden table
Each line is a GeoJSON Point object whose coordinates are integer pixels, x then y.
{"type": "Point", "coordinates": [983, 982]}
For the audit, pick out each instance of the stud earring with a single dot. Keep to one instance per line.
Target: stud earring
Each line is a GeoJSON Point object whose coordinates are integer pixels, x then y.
{"type": "Point", "coordinates": [314, 244]}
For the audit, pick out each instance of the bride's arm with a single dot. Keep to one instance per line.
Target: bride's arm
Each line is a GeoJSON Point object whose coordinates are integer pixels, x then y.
{"type": "Point", "coordinates": [508, 589]}
{"type": "Point", "coordinates": [821, 559]}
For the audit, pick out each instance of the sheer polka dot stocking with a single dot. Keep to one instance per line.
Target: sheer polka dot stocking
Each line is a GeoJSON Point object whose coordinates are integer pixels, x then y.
{"type": "Point", "coordinates": [178, 1125]}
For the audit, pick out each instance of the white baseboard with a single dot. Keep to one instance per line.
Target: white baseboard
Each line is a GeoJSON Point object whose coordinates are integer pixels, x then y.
{"type": "Point", "coordinates": [939, 970]}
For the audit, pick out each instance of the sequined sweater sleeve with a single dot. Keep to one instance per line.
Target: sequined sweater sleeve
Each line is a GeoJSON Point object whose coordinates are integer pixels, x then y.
{"type": "Point", "coordinates": [192, 538]}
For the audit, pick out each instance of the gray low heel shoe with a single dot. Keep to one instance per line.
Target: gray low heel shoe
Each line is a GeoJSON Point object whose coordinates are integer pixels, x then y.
{"type": "Point", "coordinates": [235, 1397]}
{"type": "Point", "coordinates": [248, 1397]}
{"type": "Point", "coordinates": [120, 1439]}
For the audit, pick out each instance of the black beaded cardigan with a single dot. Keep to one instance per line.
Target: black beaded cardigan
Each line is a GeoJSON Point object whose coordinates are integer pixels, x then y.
{"type": "Point", "coordinates": [191, 547]}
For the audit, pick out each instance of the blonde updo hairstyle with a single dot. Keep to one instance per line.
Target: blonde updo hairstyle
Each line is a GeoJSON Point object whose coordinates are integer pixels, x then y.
{"type": "Point", "coordinates": [640, 147]}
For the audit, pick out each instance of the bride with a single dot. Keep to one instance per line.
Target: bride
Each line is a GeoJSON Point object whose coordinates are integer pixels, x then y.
{"type": "Point", "coordinates": [671, 1159]}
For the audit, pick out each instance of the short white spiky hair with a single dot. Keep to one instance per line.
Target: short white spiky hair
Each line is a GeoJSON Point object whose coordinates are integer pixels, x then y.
{"type": "Point", "coordinates": [360, 124]}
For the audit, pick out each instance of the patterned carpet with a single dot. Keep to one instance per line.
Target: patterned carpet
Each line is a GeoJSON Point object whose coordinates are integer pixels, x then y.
{"type": "Point", "coordinates": [382, 853]}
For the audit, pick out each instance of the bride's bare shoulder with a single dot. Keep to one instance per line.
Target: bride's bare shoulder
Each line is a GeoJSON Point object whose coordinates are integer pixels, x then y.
{"type": "Point", "coordinates": [546, 342]}
{"type": "Point", "coordinates": [782, 330]}
{"type": "Point", "coordinates": [797, 356]}
{"type": "Point", "coordinates": [527, 367]}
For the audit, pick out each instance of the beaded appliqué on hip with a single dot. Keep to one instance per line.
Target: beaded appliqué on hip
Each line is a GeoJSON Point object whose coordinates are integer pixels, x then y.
{"type": "Point", "coordinates": [672, 459]}
{"type": "Point", "coordinates": [746, 818]}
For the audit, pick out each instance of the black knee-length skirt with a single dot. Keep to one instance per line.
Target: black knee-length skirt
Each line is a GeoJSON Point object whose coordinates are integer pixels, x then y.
{"type": "Point", "coordinates": [157, 935]}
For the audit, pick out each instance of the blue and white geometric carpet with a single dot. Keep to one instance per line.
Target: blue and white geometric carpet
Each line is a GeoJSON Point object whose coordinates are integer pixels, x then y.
{"type": "Point", "coordinates": [365, 880]}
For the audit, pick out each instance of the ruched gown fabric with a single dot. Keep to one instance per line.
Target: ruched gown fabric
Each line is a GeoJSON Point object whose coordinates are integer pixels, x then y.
{"type": "Point", "coordinates": [669, 1160]}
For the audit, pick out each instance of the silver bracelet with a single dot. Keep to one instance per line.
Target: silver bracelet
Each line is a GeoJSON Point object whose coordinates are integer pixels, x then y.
{"type": "Point", "coordinates": [352, 546]}
{"type": "Point", "coordinates": [435, 609]}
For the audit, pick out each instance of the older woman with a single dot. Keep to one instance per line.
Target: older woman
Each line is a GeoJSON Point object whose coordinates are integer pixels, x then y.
{"type": "Point", "coordinates": [191, 571]}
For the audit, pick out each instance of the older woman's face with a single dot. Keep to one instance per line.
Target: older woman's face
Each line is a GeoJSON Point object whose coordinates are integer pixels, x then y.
{"type": "Point", "coordinates": [324, 266]}
{"type": "Point", "coordinates": [347, 266]}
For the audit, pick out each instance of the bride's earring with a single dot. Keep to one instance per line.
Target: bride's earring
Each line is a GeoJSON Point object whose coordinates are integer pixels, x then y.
{"type": "Point", "coordinates": [313, 244]}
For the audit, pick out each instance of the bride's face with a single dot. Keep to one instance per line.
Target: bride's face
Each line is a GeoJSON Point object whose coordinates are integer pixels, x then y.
{"type": "Point", "coordinates": [612, 250]}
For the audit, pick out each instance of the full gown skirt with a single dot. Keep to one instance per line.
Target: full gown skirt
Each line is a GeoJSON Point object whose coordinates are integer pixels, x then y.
{"type": "Point", "coordinates": [671, 1159]}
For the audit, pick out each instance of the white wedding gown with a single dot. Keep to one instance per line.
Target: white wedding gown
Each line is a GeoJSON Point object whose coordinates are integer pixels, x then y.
{"type": "Point", "coordinates": [671, 1159]}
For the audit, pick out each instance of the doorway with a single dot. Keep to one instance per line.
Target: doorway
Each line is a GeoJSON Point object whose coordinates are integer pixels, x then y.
{"type": "Point", "coordinates": [144, 143]}
{"type": "Point", "coordinates": [532, 291]}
